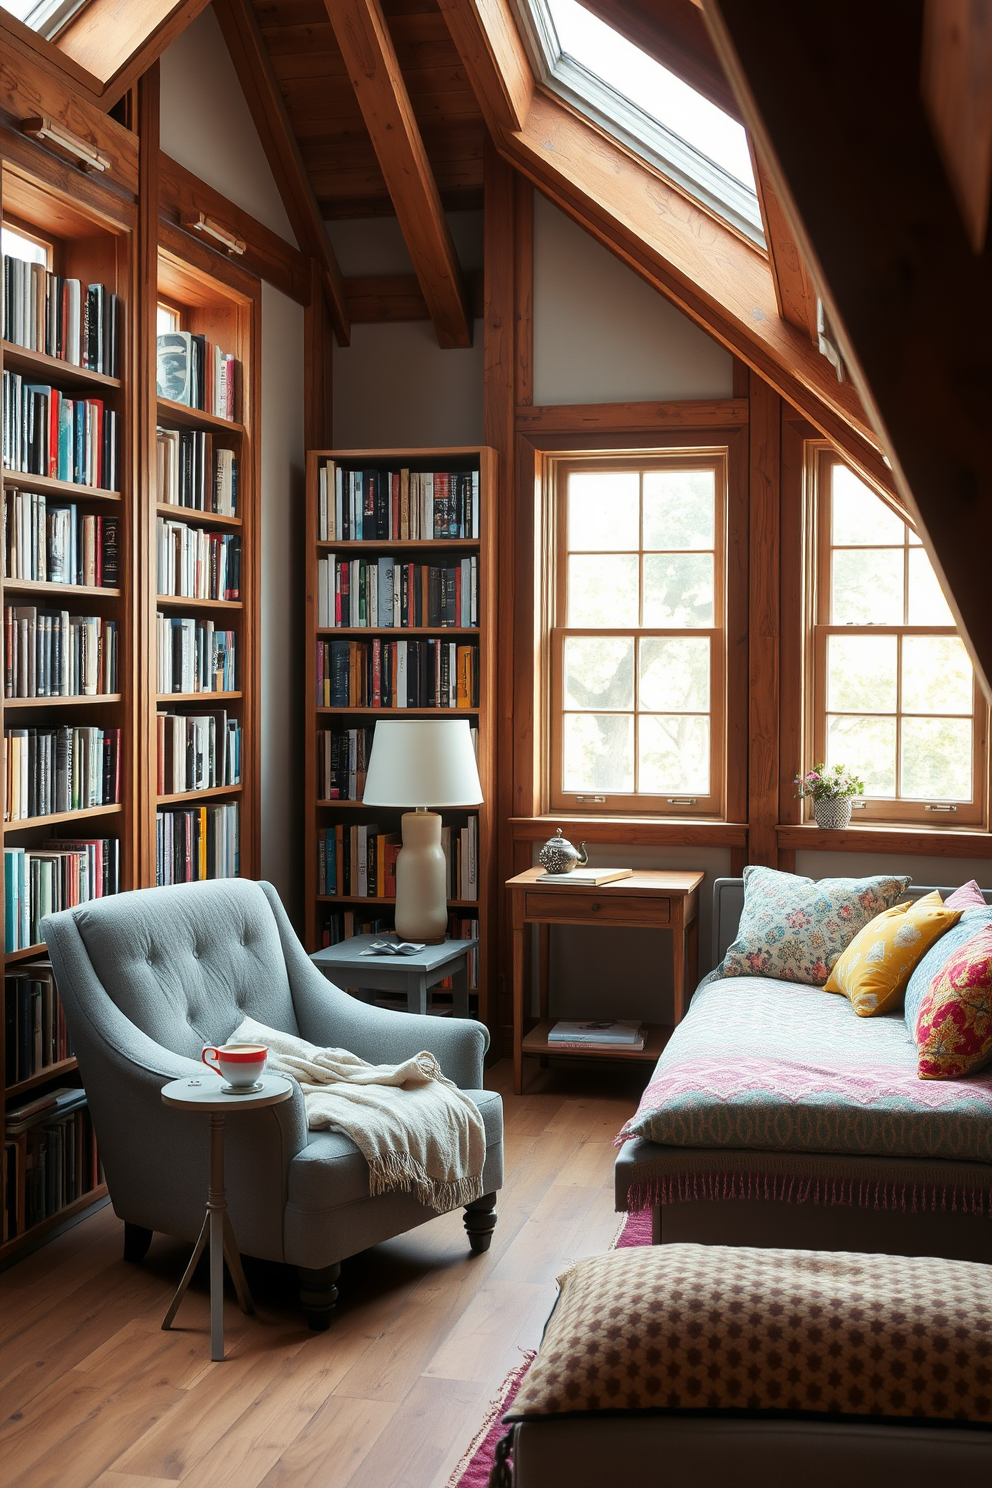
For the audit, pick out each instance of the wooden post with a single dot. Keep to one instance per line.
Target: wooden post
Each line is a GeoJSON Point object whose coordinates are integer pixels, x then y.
{"type": "Point", "coordinates": [763, 586]}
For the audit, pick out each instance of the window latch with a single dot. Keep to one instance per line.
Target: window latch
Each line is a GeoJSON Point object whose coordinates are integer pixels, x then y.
{"type": "Point", "coordinates": [598, 800]}
{"type": "Point", "coordinates": [940, 808]}
{"type": "Point", "coordinates": [681, 800]}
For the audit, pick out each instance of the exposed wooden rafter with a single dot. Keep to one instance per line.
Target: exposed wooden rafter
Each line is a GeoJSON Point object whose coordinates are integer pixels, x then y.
{"type": "Point", "coordinates": [117, 42]}
{"type": "Point", "coordinates": [909, 301]}
{"type": "Point", "coordinates": [794, 292]}
{"type": "Point", "coordinates": [259, 85]}
{"type": "Point", "coordinates": [956, 78]}
{"type": "Point", "coordinates": [370, 57]}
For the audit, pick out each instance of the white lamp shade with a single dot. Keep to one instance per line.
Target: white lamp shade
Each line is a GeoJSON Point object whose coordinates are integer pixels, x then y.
{"type": "Point", "coordinates": [422, 762]}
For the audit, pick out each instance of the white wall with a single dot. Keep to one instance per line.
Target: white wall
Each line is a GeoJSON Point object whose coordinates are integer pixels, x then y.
{"type": "Point", "coordinates": [206, 126]}
{"type": "Point", "coordinates": [602, 335]}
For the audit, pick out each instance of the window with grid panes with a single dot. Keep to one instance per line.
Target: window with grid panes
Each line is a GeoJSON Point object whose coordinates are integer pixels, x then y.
{"type": "Point", "coordinates": [638, 654]}
{"type": "Point", "coordinates": [895, 696]}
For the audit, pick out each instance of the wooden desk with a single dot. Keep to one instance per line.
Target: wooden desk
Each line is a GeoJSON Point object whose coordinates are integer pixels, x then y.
{"type": "Point", "coordinates": [649, 899]}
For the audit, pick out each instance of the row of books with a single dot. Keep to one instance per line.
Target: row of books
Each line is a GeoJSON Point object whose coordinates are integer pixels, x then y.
{"type": "Point", "coordinates": [191, 471]}
{"type": "Point", "coordinates": [342, 761]}
{"type": "Point", "coordinates": [195, 564]}
{"type": "Point", "coordinates": [193, 843]}
{"type": "Point", "coordinates": [195, 372]}
{"type": "Point", "coordinates": [591, 1037]}
{"type": "Point", "coordinates": [61, 317]}
{"type": "Point", "coordinates": [397, 674]}
{"type": "Point", "coordinates": [39, 881]}
{"type": "Point", "coordinates": [35, 1033]}
{"type": "Point", "coordinates": [64, 769]}
{"type": "Point", "coordinates": [359, 860]}
{"type": "Point", "coordinates": [384, 592]}
{"type": "Point", "coordinates": [405, 505]}
{"type": "Point", "coordinates": [195, 656]}
{"type": "Point", "coordinates": [69, 439]}
{"type": "Point", "coordinates": [53, 542]}
{"type": "Point", "coordinates": [50, 653]}
{"type": "Point", "coordinates": [197, 751]}
{"type": "Point", "coordinates": [49, 1159]}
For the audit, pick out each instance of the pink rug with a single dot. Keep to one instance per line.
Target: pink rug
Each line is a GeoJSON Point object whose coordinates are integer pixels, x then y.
{"type": "Point", "coordinates": [474, 1469]}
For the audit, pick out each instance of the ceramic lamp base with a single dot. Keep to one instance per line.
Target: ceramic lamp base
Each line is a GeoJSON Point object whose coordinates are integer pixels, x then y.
{"type": "Point", "coordinates": [421, 889]}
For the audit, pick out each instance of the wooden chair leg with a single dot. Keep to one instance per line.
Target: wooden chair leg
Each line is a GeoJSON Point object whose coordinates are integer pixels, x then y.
{"type": "Point", "coordinates": [136, 1243]}
{"type": "Point", "coordinates": [319, 1295]}
{"type": "Point", "coordinates": [480, 1221]}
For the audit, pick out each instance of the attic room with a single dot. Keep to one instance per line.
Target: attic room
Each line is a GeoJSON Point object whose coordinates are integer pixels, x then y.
{"type": "Point", "coordinates": [530, 1025]}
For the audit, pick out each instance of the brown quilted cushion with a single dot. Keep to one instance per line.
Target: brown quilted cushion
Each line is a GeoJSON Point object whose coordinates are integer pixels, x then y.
{"type": "Point", "coordinates": [707, 1327]}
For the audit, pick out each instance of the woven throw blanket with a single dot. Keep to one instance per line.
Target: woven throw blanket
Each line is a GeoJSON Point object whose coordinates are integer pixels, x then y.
{"type": "Point", "coordinates": [416, 1130]}
{"type": "Point", "coordinates": [707, 1327]}
{"type": "Point", "coordinates": [773, 1065]}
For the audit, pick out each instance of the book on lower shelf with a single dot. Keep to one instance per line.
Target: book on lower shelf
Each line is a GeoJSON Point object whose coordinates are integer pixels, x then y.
{"type": "Point", "coordinates": [616, 1033]}
{"type": "Point", "coordinates": [49, 1156]}
{"type": "Point", "coordinates": [35, 1033]}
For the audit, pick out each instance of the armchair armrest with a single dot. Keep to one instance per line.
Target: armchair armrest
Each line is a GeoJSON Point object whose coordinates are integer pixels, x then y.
{"type": "Point", "coordinates": [328, 1016]}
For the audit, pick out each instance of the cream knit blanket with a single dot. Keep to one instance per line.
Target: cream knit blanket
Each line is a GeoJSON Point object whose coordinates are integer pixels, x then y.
{"type": "Point", "coordinates": [416, 1130]}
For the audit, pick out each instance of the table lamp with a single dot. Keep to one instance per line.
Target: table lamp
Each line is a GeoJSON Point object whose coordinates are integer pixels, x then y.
{"type": "Point", "coordinates": [422, 762]}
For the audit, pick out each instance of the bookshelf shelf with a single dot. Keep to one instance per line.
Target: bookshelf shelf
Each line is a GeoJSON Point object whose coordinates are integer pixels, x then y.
{"type": "Point", "coordinates": [200, 795]}
{"type": "Point", "coordinates": [195, 418]}
{"type": "Point", "coordinates": [66, 374]}
{"type": "Point", "coordinates": [196, 697]}
{"type": "Point", "coordinates": [182, 601]}
{"type": "Point", "coordinates": [26, 953]}
{"type": "Point", "coordinates": [62, 702]}
{"type": "Point", "coordinates": [337, 914]}
{"type": "Point", "coordinates": [25, 823]}
{"type": "Point", "coordinates": [47, 485]}
{"type": "Point", "coordinates": [190, 514]}
{"type": "Point", "coordinates": [39, 586]}
{"type": "Point", "coordinates": [48, 1072]}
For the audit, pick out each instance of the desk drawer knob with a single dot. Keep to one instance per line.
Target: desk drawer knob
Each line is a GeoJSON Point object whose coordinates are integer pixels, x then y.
{"type": "Point", "coordinates": [594, 905]}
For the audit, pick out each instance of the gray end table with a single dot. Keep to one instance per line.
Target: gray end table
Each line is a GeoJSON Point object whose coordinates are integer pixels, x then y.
{"type": "Point", "coordinates": [344, 965]}
{"type": "Point", "coordinates": [205, 1093]}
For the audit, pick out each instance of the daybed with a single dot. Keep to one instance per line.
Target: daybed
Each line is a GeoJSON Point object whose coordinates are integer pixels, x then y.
{"type": "Point", "coordinates": [784, 1119]}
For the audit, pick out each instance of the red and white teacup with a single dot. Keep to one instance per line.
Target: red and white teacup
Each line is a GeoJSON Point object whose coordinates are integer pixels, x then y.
{"type": "Point", "coordinates": [241, 1065]}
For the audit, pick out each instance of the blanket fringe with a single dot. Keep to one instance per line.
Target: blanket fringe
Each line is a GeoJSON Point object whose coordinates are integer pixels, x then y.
{"type": "Point", "coordinates": [796, 1188]}
{"type": "Point", "coordinates": [391, 1171]}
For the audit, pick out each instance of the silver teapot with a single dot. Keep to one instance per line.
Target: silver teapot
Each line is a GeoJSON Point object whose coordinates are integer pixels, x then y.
{"type": "Point", "coordinates": [559, 856]}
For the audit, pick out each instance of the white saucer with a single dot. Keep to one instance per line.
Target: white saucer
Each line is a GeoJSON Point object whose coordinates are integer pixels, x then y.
{"type": "Point", "coordinates": [242, 1089]}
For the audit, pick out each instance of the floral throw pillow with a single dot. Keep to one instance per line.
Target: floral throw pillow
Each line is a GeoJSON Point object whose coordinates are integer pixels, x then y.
{"type": "Point", "coordinates": [954, 1028]}
{"type": "Point", "coordinates": [795, 928]}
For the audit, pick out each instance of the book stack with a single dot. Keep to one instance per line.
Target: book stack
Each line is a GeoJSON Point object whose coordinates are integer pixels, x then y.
{"type": "Point", "coordinates": [51, 542]}
{"type": "Point", "coordinates": [342, 924]}
{"type": "Point", "coordinates": [397, 674]}
{"type": "Point", "coordinates": [195, 372]}
{"type": "Point", "coordinates": [385, 592]}
{"type": "Point", "coordinates": [35, 1033]}
{"type": "Point", "coordinates": [39, 881]}
{"type": "Point", "coordinates": [197, 751]}
{"type": "Point", "coordinates": [357, 861]}
{"type": "Point", "coordinates": [50, 1158]}
{"type": "Point", "coordinates": [195, 657]}
{"type": "Point", "coordinates": [60, 317]}
{"type": "Point", "coordinates": [193, 843]}
{"type": "Point", "coordinates": [64, 769]}
{"type": "Point", "coordinates": [195, 564]}
{"type": "Point", "coordinates": [406, 505]}
{"type": "Point", "coordinates": [191, 471]}
{"type": "Point", "coordinates": [597, 1037]}
{"type": "Point", "coordinates": [68, 439]}
{"type": "Point", "coordinates": [50, 653]}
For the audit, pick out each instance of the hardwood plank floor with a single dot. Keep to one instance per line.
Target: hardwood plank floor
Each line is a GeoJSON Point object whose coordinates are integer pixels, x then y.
{"type": "Point", "coordinates": [94, 1395]}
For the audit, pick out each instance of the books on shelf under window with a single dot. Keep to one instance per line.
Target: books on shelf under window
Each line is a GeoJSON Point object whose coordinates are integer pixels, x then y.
{"type": "Point", "coordinates": [69, 439]}
{"type": "Point", "coordinates": [61, 317]}
{"type": "Point", "coordinates": [405, 505]}
{"type": "Point", "coordinates": [53, 542]}
{"type": "Point", "coordinates": [197, 564]}
{"type": "Point", "coordinates": [195, 656]}
{"type": "Point", "coordinates": [191, 471]}
{"type": "Point", "coordinates": [193, 371]}
{"type": "Point", "coordinates": [50, 653]}
{"type": "Point", "coordinates": [39, 881]}
{"type": "Point", "coordinates": [48, 771]}
{"type": "Point", "coordinates": [385, 592]}
{"type": "Point", "coordinates": [197, 751]}
{"type": "Point", "coordinates": [397, 674]}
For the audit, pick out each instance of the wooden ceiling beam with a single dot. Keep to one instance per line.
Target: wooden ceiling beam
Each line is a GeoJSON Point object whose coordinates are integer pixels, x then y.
{"type": "Point", "coordinates": [909, 301]}
{"type": "Point", "coordinates": [794, 291]}
{"type": "Point", "coordinates": [268, 109]}
{"type": "Point", "coordinates": [370, 57]}
{"type": "Point", "coordinates": [117, 42]}
{"type": "Point", "coordinates": [493, 55]}
{"type": "Point", "coordinates": [956, 78]}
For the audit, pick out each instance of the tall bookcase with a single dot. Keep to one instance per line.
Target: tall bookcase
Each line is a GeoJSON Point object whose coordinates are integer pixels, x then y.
{"type": "Point", "coordinates": [93, 234]}
{"type": "Point", "coordinates": [324, 814]}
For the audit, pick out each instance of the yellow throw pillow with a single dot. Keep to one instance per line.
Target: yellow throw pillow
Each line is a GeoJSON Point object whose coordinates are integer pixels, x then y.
{"type": "Point", "coordinates": [878, 963]}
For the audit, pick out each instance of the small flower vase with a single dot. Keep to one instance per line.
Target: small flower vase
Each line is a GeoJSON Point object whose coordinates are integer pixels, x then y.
{"type": "Point", "coordinates": [834, 815]}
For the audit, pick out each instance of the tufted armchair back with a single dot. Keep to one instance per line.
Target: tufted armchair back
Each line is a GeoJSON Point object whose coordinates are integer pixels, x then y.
{"type": "Point", "coordinates": [186, 964]}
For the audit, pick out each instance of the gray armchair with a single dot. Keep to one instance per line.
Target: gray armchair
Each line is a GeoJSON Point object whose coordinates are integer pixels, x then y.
{"type": "Point", "coordinates": [146, 979]}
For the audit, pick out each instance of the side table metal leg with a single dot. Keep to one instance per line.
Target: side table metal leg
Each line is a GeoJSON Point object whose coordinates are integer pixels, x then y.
{"type": "Point", "coordinates": [416, 992]}
{"type": "Point", "coordinates": [217, 1211]}
{"type": "Point", "coordinates": [188, 1273]}
{"type": "Point", "coordinates": [234, 1266]}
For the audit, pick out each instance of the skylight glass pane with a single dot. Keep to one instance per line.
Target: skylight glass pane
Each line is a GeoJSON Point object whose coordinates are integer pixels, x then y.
{"type": "Point", "coordinates": [642, 80]}
{"type": "Point", "coordinates": [44, 16]}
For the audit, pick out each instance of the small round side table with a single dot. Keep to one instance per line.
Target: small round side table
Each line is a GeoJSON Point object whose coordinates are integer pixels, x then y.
{"type": "Point", "coordinates": [205, 1093]}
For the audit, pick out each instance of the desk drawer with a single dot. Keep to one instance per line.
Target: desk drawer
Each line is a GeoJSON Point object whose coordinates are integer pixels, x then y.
{"type": "Point", "coordinates": [569, 906]}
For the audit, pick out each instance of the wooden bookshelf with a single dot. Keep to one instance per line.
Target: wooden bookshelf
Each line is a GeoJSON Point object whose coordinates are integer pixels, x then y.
{"type": "Point", "coordinates": [322, 814]}
{"type": "Point", "coordinates": [90, 235]}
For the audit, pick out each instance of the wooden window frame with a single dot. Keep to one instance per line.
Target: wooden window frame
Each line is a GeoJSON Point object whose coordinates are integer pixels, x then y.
{"type": "Point", "coordinates": [895, 811]}
{"type": "Point", "coordinates": [556, 469]}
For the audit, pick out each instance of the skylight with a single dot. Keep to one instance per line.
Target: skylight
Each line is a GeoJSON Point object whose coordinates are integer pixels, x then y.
{"type": "Point", "coordinates": [645, 106]}
{"type": "Point", "coordinates": [44, 16]}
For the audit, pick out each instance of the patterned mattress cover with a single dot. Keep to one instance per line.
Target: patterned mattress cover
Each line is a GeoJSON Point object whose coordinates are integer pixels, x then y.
{"type": "Point", "coordinates": [781, 1067]}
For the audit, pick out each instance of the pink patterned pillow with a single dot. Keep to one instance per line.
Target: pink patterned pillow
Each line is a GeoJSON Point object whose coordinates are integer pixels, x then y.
{"type": "Point", "coordinates": [954, 1027]}
{"type": "Point", "coordinates": [968, 896]}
